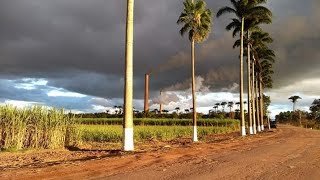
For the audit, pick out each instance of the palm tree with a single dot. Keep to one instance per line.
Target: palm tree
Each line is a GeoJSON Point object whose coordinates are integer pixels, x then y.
{"type": "Point", "coordinates": [238, 104]}
{"type": "Point", "coordinates": [253, 97]}
{"type": "Point", "coordinates": [196, 20]}
{"type": "Point", "coordinates": [121, 109]}
{"type": "Point", "coordinates": [294, 100]}
{"type": "Point", "coordinates": [237, 10]}
{"type": "Point", "coordinates": [223, 105]}
{"type": "Point", "coordinates": [263, 57]}
{"type": "Point", "coordinates": [217, 105]}
{"type": "Point", "coordinates": [254, 14]}
{"type": "Point", "coordinates": [215, 108]}
{"type": "Point", "coordinates": [230, 105]}
{"type": "Point", "coordinates": [177, 109]}
{"type": "Point", "coordinates": [256, 40]}
{"type": "Point", "coordinates": [128, 83]}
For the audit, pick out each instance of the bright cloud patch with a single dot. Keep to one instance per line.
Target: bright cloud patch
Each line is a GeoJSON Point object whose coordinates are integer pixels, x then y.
{"type": "Point", "coordinates": [98, 108]}
{"type": "Point", "coordinates": [60, 93]}
{"type": "Point", "coordinates": [29, 83]}
{"type": "Point", "coordinates": [306, 89]}
{"type": "Point", "coordinates": [21, 104]}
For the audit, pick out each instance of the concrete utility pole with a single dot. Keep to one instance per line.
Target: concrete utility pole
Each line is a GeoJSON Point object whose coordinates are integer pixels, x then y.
{"type": "Point", "coordinates": [128, 83]}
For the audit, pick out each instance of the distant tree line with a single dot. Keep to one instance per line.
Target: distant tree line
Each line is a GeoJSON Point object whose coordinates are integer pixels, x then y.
{"type": "Point", "coordinates": [220, 110]}
{"type": "Point", "coordinates": [302, 118]}
{"type": "Point", "coordinates": [152, 114]}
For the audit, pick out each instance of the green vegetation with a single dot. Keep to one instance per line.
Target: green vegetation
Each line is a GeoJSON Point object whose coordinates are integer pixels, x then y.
{"type": "Point", "coordinates": [110, 130]}
{"type": "Point", "coordinates": [158, 122]}
{"type": "Point", "coordinates": [34, 127]}
{"type": "Point", "coordinates": [113, 133]}
{"type": "Point", "coordinates": [315, 109]}
{"type": "Point", "coordinates": [299, 118]}
{"type": "Point", "coordinates": [48, 128]}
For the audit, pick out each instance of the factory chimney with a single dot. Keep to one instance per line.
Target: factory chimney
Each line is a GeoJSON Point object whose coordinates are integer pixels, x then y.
{"type": "Point", "coordinates": [146, 93]}
{"type": "Point", "coordinates": [160, 108]}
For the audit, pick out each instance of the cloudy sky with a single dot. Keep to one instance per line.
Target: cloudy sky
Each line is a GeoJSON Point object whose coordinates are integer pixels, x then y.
{"type": "Point", "coordinates": [70, 53]}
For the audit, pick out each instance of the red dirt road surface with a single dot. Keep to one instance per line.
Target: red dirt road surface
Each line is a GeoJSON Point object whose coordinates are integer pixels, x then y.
{"type": "Point", "coordinates": [286, 153]}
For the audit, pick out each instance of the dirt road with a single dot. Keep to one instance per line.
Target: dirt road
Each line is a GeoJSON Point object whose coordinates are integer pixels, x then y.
{"type": "Point", "coordinates": [286, 153]}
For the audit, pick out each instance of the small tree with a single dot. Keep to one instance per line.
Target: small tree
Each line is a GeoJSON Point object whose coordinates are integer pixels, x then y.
{"type": "Point", "coordinates": [294, 100]}
{"type": "Point", "coordinates": [315, 109]}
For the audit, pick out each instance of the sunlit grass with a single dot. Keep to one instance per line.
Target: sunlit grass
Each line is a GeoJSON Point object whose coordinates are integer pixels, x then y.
{"type": "Point", "coordinates": [113, 133]}
{"type": "Point", "coordinates": [33, 127]}
{"type": "Point", "coordinates": [158, 122]}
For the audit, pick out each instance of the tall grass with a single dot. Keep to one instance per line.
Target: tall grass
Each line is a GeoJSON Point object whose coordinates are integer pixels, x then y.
{"type": "Point", "coordinates": [34, 127]}
{"type": "Point", "coordinates": [113, 133]}
{"type": "Point", "coordinates": [158, 122]}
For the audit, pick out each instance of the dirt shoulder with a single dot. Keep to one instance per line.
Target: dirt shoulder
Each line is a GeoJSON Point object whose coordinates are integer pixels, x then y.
{"type": "Point", "coordinates": [171, 160]}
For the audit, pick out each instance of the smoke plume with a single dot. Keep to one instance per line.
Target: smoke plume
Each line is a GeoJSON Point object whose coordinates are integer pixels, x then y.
{"type": "Point", "coordinates": [232, 88]}
{"type": "Point", "coordinates": [175, 61]}
{"type": "Point", "coordinates": [165, 98]}
{"type": "Point", "coordinates": [186, 86]}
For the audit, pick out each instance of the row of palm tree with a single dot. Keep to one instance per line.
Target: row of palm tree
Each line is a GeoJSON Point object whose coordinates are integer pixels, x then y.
{"type": "Point", "coordinates": [196, 21]}
{"type": "Point", "coordinates": [248, 16]}
{"type": "Point", "coordinates": [259, 56]}
{"type": "Point", "coordinates": [229, 104]}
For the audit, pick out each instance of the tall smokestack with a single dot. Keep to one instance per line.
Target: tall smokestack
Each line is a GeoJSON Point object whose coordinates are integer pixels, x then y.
{"type": "Point", "coordinates": [160, 109]}
{"type": "Point", "coordinates": [146, 93]}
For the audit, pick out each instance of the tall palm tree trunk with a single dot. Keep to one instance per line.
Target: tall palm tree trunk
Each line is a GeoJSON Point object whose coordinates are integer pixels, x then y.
{"type": "Point", "coordinates": [258, 105]}
{"type": "Point", "coordinates": [243, 126]}
{"type": "Point", "coordinates": [253, 102]}
{"type": "Point", "coordinates": [261, 103]}
{"type": "Point", "coordinates": [249, 86]}
{"type": "Point", "coordinates": [128, 84]}
{"type": "Point", "coordinates": [269, 126]}
{"type": "Point", "coordinates": [195, 134]}
{"type": "Point", "coordinates": [294, 106]}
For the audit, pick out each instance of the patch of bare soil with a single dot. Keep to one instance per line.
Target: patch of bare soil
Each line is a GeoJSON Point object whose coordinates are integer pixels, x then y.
{"type": "Point", "coordinates": [92, 151]}
{"type": "Point", "coordinates": [107, 160]}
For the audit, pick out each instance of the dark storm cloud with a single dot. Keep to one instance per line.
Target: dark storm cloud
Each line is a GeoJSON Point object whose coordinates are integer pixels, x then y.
{"type": "Point", "coordinates": [297, 42]}
{"type": "Point", "coordinates": [79, 45]}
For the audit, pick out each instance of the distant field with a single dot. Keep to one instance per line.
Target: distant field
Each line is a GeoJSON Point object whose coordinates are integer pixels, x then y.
{"type": "Point", "coordinates": [113, 133]}
{"type": "Point", "coordinates": [158, 122]}
{"type": "Point", "coordinates": [48, 128]}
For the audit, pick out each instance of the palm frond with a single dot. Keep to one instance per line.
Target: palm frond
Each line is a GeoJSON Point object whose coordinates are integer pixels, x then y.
{"type": "Point", "coordinates": [225, 10]}
{"type": "Point", "coordinates": [184, 29]}
{"type": "Point", "coordinates": [236, 43]}
{"type": "Point", "coordinates": [236, 31]}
